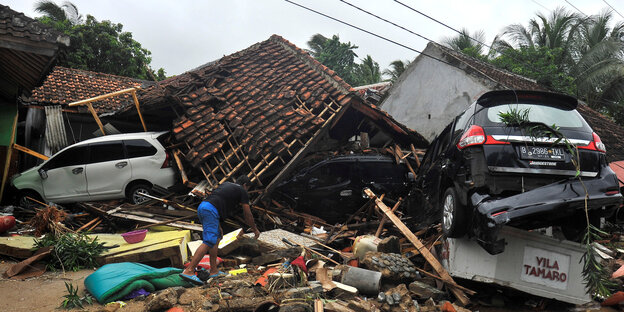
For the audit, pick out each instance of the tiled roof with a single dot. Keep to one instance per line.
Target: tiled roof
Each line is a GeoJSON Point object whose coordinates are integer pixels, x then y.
{"type": "Point", "coordinates": [611, 134]}
{"type": "Point", "coordinates": [266, 95]}
{"type": "Point", "coordinates": [27, 52]}
{"type": "Point", "coordinates": [18, 25]}
{"type": "Point", "coordinates": [67, 85]}
{"type": "Point", "coordinates": [380, 87]}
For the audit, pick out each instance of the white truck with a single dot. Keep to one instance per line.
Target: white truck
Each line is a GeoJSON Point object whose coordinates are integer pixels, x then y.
{"type": "Point", "coordinates": [532, 262]}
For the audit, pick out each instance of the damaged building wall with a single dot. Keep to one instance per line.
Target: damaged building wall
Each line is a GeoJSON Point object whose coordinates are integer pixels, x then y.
{"type": "Point", "coordinates": [430, 94]}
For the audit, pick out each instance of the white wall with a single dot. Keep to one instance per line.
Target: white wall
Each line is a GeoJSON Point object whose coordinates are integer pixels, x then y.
{"type": "Point", "coordinates": [430, 94]}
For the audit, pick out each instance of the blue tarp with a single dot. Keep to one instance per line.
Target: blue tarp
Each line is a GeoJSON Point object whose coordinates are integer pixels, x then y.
{"type": "Point", "coordinates": [114, 281]}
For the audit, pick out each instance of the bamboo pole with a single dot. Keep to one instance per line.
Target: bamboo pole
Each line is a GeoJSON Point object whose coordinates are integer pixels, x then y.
{"type": "Point", "coordinates": [95, 116]}
{"type": "Point", "coordinates": [136, 102]}
{"type": "Point", "coordinates": [104, 96]}
{"type": "Point", "coordinates": [29, 151]}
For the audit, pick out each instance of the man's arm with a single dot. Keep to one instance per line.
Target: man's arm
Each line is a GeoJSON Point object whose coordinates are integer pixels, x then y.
{"type": "Point", "coordinates": [250, 220]}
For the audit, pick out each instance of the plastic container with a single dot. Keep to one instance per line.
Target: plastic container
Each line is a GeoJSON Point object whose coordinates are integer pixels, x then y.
{"type": "Point", "coordinates": [366, 281]}
{"type": "Point", "coordinates": [364, 244]}
{"type": "Point", "coordinates": [134, 236]}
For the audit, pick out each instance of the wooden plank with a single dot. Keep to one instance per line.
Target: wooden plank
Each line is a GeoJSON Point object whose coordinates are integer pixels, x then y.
{"type": "Point", "coordinates": [97, 119]}
{"type": "Point", "coordinates": [302, 152]}
{"type": "Point", "coordinates": [186, 226]}
{"type": "Point", "coordinates": [180, 166]}
{"type": "Point", "coordinates": [7, 162]}
{"type": "Point", "coordinates": [415, 155]}
{"type": "Point", "coordinates": [318, 305]}
{"type": "Point", "coordinates": [29, 151]}
{"type": "Point", "coordinates": [136, 102]}
{"type": "Point", "coordinates": [385, 218]}
{"type": "Point", "coordinates": [458, 293]}
{"type": "Point", "coordinates": [103, 96]}
{"type": "Point", "coordinates": [468, 291]}
{"type": "Point", "coordinates": [400, 154]}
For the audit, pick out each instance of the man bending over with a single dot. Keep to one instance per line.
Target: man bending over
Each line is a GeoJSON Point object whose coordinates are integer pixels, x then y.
{"type": "Point", "coordinates": [222, 203]}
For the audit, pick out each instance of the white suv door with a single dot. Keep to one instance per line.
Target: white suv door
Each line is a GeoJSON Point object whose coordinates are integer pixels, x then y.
{"type": "Point", "coordinates": [108, 170]}
{"type": "Point", "coordinates": [66, 177]}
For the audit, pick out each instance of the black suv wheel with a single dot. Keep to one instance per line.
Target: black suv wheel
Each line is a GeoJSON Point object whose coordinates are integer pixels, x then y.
{"type": "Point", "coordinates": [453, 214]}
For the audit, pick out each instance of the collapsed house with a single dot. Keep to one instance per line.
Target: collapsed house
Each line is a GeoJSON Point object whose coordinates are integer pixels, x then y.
{"type": "Point", "coordinates": [261, 110]}
{"type": "Point", "coordinates": [430, 93]}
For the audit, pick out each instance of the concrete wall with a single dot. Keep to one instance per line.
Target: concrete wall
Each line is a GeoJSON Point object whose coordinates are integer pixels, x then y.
{"type": "Point", "coordinates": [429, 94]}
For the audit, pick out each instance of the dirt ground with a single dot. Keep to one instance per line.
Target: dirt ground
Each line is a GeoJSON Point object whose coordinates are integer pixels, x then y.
{"type": "Point", "coordinates": [45, 293]}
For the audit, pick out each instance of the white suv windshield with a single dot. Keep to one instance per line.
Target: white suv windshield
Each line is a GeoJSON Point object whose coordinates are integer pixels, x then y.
{"type": "Point", "coordinates": [539, 113]}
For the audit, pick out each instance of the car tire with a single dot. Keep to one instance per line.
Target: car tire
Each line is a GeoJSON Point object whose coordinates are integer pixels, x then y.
{"type": "Point", "coordinates": [24, 202]}
{"type": "Point", "coordinates": [453, 214]}
{"type": "Point", "coordinates": [133, 193]}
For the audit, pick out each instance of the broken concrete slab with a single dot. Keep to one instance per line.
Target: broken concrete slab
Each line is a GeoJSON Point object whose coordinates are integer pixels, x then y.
{"type": "Point", "coordinates": [424, 291]}
{"type": "Point", "coordinates": [272, 239]}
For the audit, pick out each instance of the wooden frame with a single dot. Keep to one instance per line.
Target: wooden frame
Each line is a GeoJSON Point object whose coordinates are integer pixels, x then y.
{"type": "Point", "coordinates": [88, 102]}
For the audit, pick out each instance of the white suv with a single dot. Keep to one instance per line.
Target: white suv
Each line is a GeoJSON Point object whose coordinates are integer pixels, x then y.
{"type": "Point", "coordinates": [107, 167]}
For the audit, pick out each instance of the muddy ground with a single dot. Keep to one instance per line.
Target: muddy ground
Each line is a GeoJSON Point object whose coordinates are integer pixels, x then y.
{"type": "Point", "coordinates": [45, 293]}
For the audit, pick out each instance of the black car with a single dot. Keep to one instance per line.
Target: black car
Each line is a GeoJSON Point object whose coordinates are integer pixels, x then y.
{"type": "Point", "coordinates": [333, 188]}
{"type": "Point", "coordinates": [511, 158]}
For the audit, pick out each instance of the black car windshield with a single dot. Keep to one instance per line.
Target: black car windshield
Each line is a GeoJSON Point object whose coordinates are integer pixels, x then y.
{"type": "Point", "coordinates": [547, 115]}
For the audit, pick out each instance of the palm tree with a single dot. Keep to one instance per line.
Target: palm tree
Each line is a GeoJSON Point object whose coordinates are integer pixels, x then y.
{"type": "Point", "coordinates": [66, 12]}
{"type": "Point", "coordinates": [599, 65]}
{"type": "Point", "coordinates": [368, 72]}
{"type": "Point", "coordinates": [396, 69]}
{"type": "Point", "coordinates": [468, 44]}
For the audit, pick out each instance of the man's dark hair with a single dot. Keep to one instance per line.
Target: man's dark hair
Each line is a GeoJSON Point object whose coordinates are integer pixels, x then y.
{"type": "Point", "coordinates": [243, 180]}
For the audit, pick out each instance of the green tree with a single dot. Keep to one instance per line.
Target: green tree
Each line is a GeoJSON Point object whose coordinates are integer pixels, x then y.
{"type": "Point", "coordinates": [555, 31]}
{"type": "Point", "coordinates": [65, 12]}
{"type": "Point", "coordinates": [367, 72]}
{"type": "Point", "coordinates": [97, 46]}
{"type": "Point", "coordinates": [465, 43]}
{"type": "Point", "coordinates": [539, 63]}
{"type": "Point", "coordinates": [599, 66]}
{"type": "Point", "coordinates": [338, 56]}
{"type": "Point", "coordinates": [396, 69]}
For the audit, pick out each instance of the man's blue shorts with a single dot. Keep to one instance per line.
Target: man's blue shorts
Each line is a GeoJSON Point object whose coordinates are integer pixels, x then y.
{"type": "Point", "coordinates": [209, 218]}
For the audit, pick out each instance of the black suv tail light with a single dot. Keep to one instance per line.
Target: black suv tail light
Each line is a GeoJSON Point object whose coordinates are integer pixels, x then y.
{"type": "Point", "coordinates": [473, 136]}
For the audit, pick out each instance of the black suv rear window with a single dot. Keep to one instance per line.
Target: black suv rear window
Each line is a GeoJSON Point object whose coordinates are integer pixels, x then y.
{"type": "Point", "coordinates": [545, 114]}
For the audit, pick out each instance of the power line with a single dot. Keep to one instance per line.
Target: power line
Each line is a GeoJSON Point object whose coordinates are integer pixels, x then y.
{"type": "Point", "coordinates": [612, 8]}
{"type": "Point", "coordinates": [568, 2]}
{"type": "Point", "coordinates": [369, 32]}
{"type": "Point", "coordinates": [385, 20]}
{"type": "Point", "coordinates": [541, 5]}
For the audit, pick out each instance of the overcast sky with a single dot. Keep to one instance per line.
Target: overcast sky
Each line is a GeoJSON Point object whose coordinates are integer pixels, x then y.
{"type": "Point", "coordinates": [184, 34]}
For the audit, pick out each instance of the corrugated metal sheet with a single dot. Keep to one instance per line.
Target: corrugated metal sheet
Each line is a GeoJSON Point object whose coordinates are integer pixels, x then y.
{"type": "Point", "coordinates": [55, 135]}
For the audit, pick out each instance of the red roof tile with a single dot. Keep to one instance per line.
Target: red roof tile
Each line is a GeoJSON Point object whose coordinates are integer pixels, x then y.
{"type": "Point", "coordinates": [66, 85]}
{"type": "Point", "coordinates": [258, 88]}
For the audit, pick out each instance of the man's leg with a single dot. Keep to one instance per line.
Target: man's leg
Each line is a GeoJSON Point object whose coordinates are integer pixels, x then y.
{"type": "Point", "coordinates": [199, 254]}
{"type": "Point", "coordinates": [213, 258]}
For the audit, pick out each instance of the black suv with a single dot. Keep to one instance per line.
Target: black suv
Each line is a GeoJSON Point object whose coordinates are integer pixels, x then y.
{"type": "Point", "coordinates": [510, 159]}
{"type": "Point", "coordinates": [333, 188]}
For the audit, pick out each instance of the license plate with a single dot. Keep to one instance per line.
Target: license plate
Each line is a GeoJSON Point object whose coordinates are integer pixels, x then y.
{"type": "Point", "coordinates": [542, 153]}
